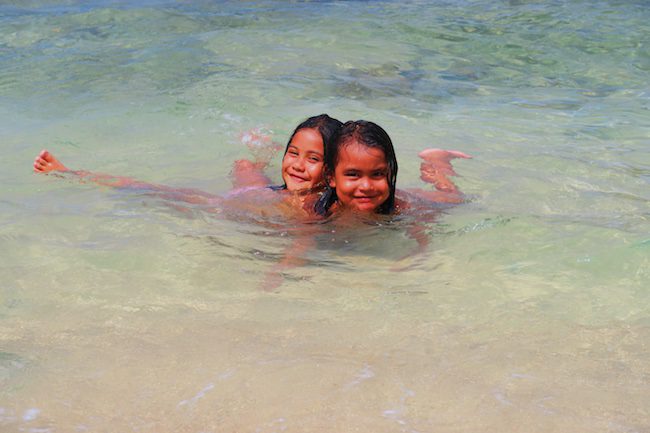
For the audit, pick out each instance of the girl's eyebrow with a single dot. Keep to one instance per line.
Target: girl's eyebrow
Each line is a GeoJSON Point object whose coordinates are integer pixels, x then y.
{"type": "Point", "coordinates": [310, 152]}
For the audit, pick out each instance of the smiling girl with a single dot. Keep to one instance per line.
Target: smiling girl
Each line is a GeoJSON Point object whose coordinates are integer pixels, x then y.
{"type": "Point", "coordinates": [302, 162]}
{"type": "Point", "coordinates": [302, 175]}
{"type": "Point", "coordinates": [361, 173]}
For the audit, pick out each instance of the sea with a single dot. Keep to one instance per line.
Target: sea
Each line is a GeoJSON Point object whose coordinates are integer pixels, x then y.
{"type": "Point", "coordinates": [527, 310]}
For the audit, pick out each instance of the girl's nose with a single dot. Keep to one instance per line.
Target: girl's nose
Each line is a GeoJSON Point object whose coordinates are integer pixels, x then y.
{"type": "Point", "coordinates": [365, 184]}
{"type": "Point", "coordinates": [298, 164]}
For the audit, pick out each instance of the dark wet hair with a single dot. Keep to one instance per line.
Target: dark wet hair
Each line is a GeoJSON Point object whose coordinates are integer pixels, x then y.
{"type": "Point", "coordinates": [327, 127]}
{"type": "Point", "coordinates": [370, 135]}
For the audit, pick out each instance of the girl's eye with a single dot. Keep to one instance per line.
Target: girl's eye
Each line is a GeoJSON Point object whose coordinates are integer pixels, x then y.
{"type": "Point", "coordinates": [314, 159]}
{"type": "Point", "coordinates": [380, 173]}
{"type": "Point", "coordinates": [351, 174]}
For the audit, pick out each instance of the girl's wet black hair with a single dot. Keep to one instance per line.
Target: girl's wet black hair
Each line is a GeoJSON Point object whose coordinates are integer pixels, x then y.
{"type": "Point", "coordinates": [371, 135]}
{"type": "Point", "coordinates": [327, 127]}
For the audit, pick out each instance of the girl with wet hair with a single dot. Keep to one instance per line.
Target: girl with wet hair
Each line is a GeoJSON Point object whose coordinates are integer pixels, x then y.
{"type": "Point", "coordinates": [302, 161]}
{"type": "Point", "coordinates": [361, 173]}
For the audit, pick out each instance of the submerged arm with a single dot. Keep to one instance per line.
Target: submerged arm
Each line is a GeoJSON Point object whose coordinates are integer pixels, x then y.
{"type": "Point", "coordinates": [294, 256]}
{"type": "Point", "coordinates": [247, 173]}
{"type": "Point", "coordinates": [45, 162]}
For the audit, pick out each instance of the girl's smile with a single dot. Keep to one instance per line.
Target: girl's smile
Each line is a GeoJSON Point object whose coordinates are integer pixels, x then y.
{"type": "Point", "coordinates": [302, 165]}
{"type": "Point", "coordinates": [361, 177]}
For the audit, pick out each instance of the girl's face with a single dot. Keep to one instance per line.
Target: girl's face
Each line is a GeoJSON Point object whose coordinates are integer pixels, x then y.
{"type": "Point", "coordinates": [361, 177]}
{"type": "Point", "coordinates": [302, 165]}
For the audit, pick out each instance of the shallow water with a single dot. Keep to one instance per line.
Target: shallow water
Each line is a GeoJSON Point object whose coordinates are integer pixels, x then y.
{"type": "Point", "coordinates": [528, 311]}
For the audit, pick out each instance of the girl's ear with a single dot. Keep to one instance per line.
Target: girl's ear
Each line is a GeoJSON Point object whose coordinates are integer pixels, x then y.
{"type": "Point", "coordinates": [330, 181]}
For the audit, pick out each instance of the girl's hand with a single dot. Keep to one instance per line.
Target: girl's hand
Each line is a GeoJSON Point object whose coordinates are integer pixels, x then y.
{"type": "Point", "coordinates": [46, 162]}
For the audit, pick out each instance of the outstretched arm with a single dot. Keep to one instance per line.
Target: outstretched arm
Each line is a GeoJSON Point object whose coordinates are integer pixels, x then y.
{"type": "Point", "coordinates": [45, 162]}
{"type": "Point", "coordinates": [436, 169]}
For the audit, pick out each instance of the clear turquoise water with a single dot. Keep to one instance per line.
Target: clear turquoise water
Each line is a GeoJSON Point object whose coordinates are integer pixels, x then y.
{"type": "Point", "coordinates": [529, 311]}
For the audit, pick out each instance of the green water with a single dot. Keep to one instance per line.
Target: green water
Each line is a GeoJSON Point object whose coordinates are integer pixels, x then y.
{"type": "Point", "coordinates": [528, 311]}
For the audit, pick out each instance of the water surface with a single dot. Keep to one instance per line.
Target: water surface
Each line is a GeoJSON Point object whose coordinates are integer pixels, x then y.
{"type": "Point", "coordinates": [528, 311]}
